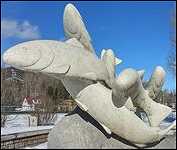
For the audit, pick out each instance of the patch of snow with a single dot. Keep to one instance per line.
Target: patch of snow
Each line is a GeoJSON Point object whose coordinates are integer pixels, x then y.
{"type": "Point", "coordinates": [40, 146]}
{"type": "Point", "coordinates": [20, 123]}
{"type": "Point", "coordinates": [60, 116]}
{"type": "Point", "coordinates": [20, 120]}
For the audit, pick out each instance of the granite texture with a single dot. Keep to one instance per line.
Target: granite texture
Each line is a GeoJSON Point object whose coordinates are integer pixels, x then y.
{"type": "Point", "coordinates": [79, 130]}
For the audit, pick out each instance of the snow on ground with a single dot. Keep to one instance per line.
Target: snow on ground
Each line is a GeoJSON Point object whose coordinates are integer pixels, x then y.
{"type": "Point", "coordinates": [20, 123]}
{"type": "Point", "coordinates": [59, 117]}
{"type": "Point", "coordinates": [40, 146]}
{"type": "Point", "coordinates": [22, 120]}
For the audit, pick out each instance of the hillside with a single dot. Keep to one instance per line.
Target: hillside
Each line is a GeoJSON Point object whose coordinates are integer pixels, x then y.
{"type": "Point", "coordinates": [17, 84]}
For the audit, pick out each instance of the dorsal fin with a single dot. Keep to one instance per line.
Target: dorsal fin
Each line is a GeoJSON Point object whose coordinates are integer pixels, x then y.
{"type": "Point", "coordinates": [74, 27]}
{"type": "Point", "coordinates": [117, 61]}
{"type": "Point", "coordinates": [102, 53]}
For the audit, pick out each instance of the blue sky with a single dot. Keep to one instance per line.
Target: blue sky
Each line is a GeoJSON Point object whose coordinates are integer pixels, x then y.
{"type": "Point", "coordinates": [137, 32]}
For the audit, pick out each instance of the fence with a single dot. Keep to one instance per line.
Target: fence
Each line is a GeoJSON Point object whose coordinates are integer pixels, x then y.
{"type": "Point", "coordinates": [8, 110]}
{"type": "Point", "coordinates": [23, 139]}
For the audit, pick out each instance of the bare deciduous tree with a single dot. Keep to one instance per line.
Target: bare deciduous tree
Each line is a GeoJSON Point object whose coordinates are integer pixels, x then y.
{"type": "Point", "coordinates": [172, 55]}
{"type": "Point", "coordinates": [45, 110]}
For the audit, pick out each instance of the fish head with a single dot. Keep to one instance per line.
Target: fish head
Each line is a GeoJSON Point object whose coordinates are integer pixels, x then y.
{"type": "Point", "coordinates": [33, 55]}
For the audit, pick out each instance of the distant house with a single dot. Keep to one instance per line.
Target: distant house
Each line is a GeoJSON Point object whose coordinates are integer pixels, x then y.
{"type": "Point", "coordinates": [14, 74]}
{"type": "Point", "coordinates": [67, 105]}
{"type": "Point", "coordinates": [29, 103]}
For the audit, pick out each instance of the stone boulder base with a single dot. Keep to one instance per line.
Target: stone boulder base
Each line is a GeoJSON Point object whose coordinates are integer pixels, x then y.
{"type": "Point", "coordinates": [79, 130]}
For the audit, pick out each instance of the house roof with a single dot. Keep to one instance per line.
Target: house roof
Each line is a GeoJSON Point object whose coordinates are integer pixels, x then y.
{"type": "Point", "coordinates": [30, 99]}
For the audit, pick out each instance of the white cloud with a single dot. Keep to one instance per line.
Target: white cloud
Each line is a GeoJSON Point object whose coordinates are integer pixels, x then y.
{"type": "Point", "coordinates": [21, 30]}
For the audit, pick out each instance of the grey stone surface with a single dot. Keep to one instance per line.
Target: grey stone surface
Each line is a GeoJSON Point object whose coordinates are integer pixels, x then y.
{"type": "Point", "coordinates": [168, 143]}
{"type": "Point", "coordinates": [80, 130]}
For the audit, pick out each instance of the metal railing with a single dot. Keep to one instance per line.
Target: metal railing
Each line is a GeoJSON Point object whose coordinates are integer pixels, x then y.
{"type": "Point", "coordinates": [8, 110]}
{"type": "Point", "coordinates": [17, 110]}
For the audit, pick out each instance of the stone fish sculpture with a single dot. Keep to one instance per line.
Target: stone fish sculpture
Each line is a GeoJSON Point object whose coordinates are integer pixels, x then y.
{"type": "Point", "coordinates": [92, 82]}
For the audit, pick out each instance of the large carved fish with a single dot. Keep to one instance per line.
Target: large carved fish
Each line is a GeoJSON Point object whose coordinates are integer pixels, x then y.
{"type": "Point", "coordinates": [92, 82]}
